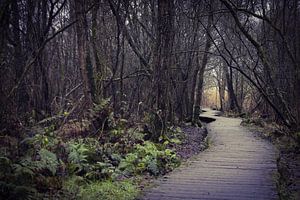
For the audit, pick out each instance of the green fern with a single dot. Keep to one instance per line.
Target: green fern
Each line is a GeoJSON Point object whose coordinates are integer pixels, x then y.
{"type": "Point", "coordinates": [11, 191]}
{"type": "Point", "coordinates": [24, 193]}
{"type": "Point", "coordinates": [77, 157]}
{"type": "Point", "coordinates": [73, 184]}
{"type": "Point", "coordinates": [129, 164]}
{"type": "Point", "coordinates": [24, 170]}
{"type": "Point", "coordinates": [77, 153]}
{"type": "Point", "coordinates": [48, 161]}
{"type": "Point", "coordinates": [5, 166]}
{"type": "Point", "coordinates": [148, 158]}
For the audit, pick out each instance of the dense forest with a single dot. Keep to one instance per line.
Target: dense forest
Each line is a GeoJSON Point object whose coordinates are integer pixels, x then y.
{"type": "Point", "coordinates": [91, 89]}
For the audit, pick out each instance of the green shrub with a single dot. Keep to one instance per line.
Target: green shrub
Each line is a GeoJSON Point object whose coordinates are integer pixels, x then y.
{"type": "Point", "coordinates": [148, 158]}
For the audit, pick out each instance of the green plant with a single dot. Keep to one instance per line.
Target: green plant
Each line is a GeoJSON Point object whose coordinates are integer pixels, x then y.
{"type": "Point", "coordinates": [135, 134]}
{"type": "Point", "coordinates": [101, 116]}
{"type": "Point", "coordinates": [148, 158]}
{"type": "Point", "coordinates": [16, 179]}
{"type": "Point", "coordinates": [11, 191]}
{"type": "Point", "coordinates": [77, 152]}
{"type": "Point", "coordinates": [79, 188]}
{"type": "Point", "coordinates": [173, 136]}
{"type": "Point", "coordinates": [44, 138]}
{"type": "Point", "coordinates": [48, 161]}
{"type": "Point", "coordinates": [5, 166]}
{"type": "Point", "coordinates": [73, 185]}
{"type": "Point", "coordinates": [100, 170]}
{"type": "Point", "coordinates": [128, 165]}
{"type": "Point", "coordinates": [77, 157]}
{"type": "Point", "coordinates": [27, 169]}
{"type": "Point", "coordinates": [108, 190]}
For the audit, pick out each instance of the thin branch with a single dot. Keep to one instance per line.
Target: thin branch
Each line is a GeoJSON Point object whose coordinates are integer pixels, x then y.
{"type": "Point", "coordinates": [34, 59]}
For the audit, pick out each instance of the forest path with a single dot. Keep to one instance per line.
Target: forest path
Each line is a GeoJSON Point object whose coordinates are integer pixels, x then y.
{"type": "Point", "coordinates": [238, 165]}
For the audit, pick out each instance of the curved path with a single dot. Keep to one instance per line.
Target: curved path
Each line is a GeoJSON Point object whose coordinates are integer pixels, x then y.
{"type": "Point", "coordinates": [238, 166]}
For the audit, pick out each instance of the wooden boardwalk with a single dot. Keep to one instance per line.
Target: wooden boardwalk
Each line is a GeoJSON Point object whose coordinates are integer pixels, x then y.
{"type": "Point", "coordinates": [238, 166]}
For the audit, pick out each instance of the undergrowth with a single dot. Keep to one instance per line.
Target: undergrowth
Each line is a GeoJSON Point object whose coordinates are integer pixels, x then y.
{"type": "Point", "coordinates": [98, 156]}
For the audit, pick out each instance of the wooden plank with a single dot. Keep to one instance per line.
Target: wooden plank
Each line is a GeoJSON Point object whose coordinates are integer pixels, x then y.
{"type": "Point", "coordinates": [237, 166]}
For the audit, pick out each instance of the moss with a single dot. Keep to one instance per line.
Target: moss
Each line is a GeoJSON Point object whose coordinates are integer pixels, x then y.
{"type": "Point", "coordinates": [78, 188]}
{"type": "Point", "coordinates": [108, 190]}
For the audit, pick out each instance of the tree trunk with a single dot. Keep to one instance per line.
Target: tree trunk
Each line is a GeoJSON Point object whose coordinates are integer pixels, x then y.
{"type": "Point", "coordinates": [233, 104]}
{"type": "Point", "coordinates": [197, 96]}
{"type": "Point", "coordinates": [99, 72]}
{"type": "Point", "coordinates": [22, 96]}
{"type": "Point", "coordinates": [161, 77]}
{"type": "Point", "coordinates": [81, 32]}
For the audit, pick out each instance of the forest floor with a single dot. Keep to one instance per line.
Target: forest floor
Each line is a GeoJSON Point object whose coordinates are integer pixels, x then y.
{"type": "Point", "coordinates": [193, 143]}
{"type": "Point", "coordinates": [237, 165]}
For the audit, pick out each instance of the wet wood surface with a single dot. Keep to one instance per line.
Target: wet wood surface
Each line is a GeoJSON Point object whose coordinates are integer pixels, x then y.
{"type": "Point", "coordinates": [237, 165]}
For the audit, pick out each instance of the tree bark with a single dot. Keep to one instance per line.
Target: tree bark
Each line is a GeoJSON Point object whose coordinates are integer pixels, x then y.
{"type": "Point", "coordinates": [198, 90]}
{"type": "Point", "coordinates": [162, 61]}
{"type": "Point", "coordinates": [233, 103]}
{"type": "Point", "coordinates": [81, 32]}
{"type": "Point", "coordinates": [99, 72]}
{"type": "Point", "coordinates": [22, 96]}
